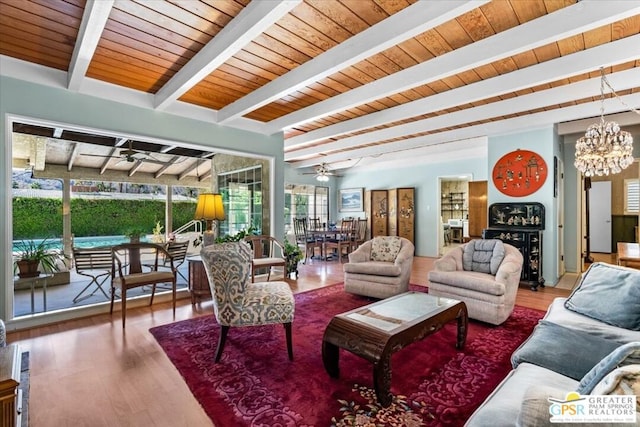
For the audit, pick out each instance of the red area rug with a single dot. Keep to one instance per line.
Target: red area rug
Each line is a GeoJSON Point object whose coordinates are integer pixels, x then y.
{"type": "Point", "coordinates": [255, 384]}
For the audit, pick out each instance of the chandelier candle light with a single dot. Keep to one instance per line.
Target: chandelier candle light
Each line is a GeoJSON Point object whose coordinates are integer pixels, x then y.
{"type": "Point", "coordinates": [209, 209]}
{"type": "Point", "coordinates": [604, 148]}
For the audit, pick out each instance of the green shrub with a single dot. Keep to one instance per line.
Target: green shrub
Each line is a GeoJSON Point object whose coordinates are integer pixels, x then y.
{"type": "Point", "coordinates": [39, 217]}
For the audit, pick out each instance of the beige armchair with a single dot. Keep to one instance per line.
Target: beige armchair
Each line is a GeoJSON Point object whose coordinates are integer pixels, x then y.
{"type": "Point", "coordinates": [485, 274]}
{"type": "Point", "coordinates": [380, 267]}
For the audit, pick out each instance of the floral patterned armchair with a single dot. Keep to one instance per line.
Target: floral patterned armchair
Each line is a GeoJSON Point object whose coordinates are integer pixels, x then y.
{"type": "Point", "coordinates": [239, 302]}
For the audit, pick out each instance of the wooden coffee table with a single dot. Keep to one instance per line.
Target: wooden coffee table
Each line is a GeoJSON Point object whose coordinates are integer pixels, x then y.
{"type": "Point", "coordinates": [376, 331]}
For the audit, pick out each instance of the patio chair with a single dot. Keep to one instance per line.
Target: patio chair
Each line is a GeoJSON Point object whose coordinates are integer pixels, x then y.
{"type": "Point", "coordinates": [267, 253]}
{"type": "Point", "coordinates": [178, 252]}
{"type": "Point", "coordinates": [239, 302]}
{"type": "Point", "coordinates": [94, 263]}
{"type": "Point", "coordinates": [126, 271]}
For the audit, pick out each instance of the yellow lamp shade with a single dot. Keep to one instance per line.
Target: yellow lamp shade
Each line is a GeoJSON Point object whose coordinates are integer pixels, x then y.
{"type": "Point", "coordinates": [209, 207]}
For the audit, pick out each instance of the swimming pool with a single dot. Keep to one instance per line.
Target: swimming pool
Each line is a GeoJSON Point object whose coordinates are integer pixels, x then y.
{"type": "Point", "coordinates": [83, 242]}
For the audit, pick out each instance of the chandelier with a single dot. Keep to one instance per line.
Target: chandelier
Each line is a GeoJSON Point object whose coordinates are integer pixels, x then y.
{"type": "Point", "coordinates": [604, 148]}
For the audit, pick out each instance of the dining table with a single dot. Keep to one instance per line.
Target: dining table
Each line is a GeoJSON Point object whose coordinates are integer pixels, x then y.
{"type": "Point", "coordinates": [324, 235]}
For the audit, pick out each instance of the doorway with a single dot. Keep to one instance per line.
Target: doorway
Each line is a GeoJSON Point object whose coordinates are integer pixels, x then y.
{"type": "Point", "coordinates": [454, 211]}
{"type": "Point", "coordinates": [600, 216]}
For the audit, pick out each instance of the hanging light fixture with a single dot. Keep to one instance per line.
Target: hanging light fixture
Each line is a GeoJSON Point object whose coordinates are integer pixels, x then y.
{"type": "Point", "coordinates": [604, 148]}
{"type": "Point", "coordinates": [322, 177]}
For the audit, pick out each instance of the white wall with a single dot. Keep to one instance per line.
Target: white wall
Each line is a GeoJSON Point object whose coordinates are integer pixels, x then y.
{"type": "Point", "coordinates": [543, 142]}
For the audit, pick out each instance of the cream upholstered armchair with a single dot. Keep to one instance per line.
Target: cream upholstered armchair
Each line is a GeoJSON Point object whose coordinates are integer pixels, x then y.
{"type": "Point", "coordinates": [239, 302]}
{"type": "Point", "coordinates": [380, 267]}
{"type": "Point", "coordinates": [485, 274]}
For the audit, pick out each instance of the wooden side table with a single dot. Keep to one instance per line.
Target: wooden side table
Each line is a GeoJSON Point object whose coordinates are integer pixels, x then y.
{"type": "Point", "coordinates": [10, 396]}
{"type": "Point", "coordinates": [198, 280]}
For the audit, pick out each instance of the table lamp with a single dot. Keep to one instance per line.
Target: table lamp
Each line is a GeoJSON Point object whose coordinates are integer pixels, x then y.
{"type": "Point", "coordinates": [209, 208]}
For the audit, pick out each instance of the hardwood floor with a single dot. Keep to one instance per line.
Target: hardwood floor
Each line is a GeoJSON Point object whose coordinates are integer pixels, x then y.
{"type": "Point", "coordinates": [88, 372]}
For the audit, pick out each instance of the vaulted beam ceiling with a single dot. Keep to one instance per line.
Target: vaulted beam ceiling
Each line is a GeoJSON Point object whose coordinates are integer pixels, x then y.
{"type": "Point", "coordinates": [341, 79]}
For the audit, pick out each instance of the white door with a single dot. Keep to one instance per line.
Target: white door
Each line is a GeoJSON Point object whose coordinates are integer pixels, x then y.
{"type": "Point", "coordinates": [600, 216]}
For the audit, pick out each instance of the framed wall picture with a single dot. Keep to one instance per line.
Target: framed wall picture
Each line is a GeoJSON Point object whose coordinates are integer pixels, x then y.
{"type": "Point", "coordinates": [351, 200]}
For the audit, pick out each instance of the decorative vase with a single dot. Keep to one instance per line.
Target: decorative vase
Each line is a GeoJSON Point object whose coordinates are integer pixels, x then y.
{"type": "Point", "coordinates": [28, 268]}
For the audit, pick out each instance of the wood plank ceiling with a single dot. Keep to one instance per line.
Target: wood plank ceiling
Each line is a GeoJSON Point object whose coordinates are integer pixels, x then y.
{"type": "Point", "coordinates": [345, 79]}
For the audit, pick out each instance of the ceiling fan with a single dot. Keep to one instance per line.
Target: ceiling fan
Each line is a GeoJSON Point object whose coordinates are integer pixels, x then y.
{"type": "Point", "coordinates": [322, 173]}
{"type": "Point", "coordinates": [131, 155]}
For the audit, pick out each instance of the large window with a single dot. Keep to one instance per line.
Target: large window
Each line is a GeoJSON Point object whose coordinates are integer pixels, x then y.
{"type": "Point", "coordinates": [242, 196]}
{"type": "Point", "coordinates": [305, 201]}
{"type": "Point", "coordinates": [631, 196]}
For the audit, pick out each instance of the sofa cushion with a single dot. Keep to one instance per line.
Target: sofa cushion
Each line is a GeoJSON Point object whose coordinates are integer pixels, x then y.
{"type": "Point", "coordinates": [385, 248]}
{"type": "Point", "coordinates": [479, 282]}
{"type": "Point", "coordinates": [623, 355]}
{"type": "Point", "coordinates": [502, 407]}
{"type": "Point", "coordinates": [566, 351]}
{"type": "Point", "coordinates": [373, 267]}
{"type": "Point", "coordinates": [559, 314]}
{"type": "Point", "coordinates": [608, 293]}
{"type": "Point", "coordinates": [484, 256]}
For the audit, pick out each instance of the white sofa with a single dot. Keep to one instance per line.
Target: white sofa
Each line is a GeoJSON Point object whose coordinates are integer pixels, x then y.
{"type": "Point", "coordinates": [563, 353]}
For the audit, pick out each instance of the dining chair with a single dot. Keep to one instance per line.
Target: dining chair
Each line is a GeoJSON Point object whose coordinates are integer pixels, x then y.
{"type": "Point", "coordinates": [126, 271]}
{"type": "Point", "coordinates": [268, 252]}
{"type": "Point", "coordinates": [239, 302]}
{"type": "Point", "coordinates": [341, 241]}
{"type": "Point", "coordinates": [305, 239]}
{"type": "Point", "coordinates": [360, 233]}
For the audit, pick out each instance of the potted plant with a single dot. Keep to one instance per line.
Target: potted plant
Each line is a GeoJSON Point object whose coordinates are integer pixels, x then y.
{"type": "Point", "coordinates": [32, 255]}
{"type": "Point", "coordinates": [293, 255]}
{"type": "Point", "coordinates": [134, 234]}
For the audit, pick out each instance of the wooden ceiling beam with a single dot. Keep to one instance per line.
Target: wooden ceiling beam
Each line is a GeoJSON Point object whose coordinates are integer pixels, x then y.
{"type": "Point", "coordinates": [38, 154]}
{"type": "Point", "coordinates": [137, 165]}
{"type": "Point", "coordinates": [105, 164]}
{"type": "Point", "coordinates": [191, 168]}
{"type": "Point", "coordinates": [498, 127]}
{"type": "Point", "coordinates": [164, 168]}
{"type": "Point", "coordinates": [546, 72]}
{"type": "Point", "coordinates": [92, 174]}
{"type": "Point", "coordinates": [566, 22]}
{"type": "Point", "coordinates": [94, 19]}
{"type": "Point", "coordinates": [254, 19]}
{"type": "Point", "coordinates": [408, 23]}
{"type": "Point", "coordinates": [74, 154]}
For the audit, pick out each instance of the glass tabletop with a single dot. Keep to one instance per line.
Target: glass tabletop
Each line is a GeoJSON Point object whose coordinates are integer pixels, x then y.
{"type": "Point", "coordinates": [397, 311]}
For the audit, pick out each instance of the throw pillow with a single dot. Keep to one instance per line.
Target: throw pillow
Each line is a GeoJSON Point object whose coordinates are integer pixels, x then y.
{"type": "Point", "coordinates": [385, 248]}
{"type": "Point", "coordinates": [534, 410]}
{"type": "Point", "coordinates": [554, 347]}
{"type": "Point", "coordinates": [484, 256]}
{"type": "Point", "coordinates": [623, 355]}
{"type": "Point", "coordinates": [608, 293]}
